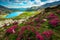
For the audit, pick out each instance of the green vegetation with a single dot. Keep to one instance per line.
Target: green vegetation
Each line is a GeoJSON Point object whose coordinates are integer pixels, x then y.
{"type": "Point", "coordinates": [41, 25]}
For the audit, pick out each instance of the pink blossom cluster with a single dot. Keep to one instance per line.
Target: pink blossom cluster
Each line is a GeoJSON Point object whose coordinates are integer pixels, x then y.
{"type": "Point", "coordinates": [23, 29]}
{"type": "Point", "coordinates": [52, 16]}
{"type": "Point", "coordinates": [37, 19]}
{"type": "Point", "coordinates": [54, 22]}
{"type": "Point", "coordinates": [48, 33]}
{"type": "Point", "coordinates": [39, 36]}
{"type": "Point", "coordinates": [11, 29]}
{"type": "Point", "coordinates": [53, 19]}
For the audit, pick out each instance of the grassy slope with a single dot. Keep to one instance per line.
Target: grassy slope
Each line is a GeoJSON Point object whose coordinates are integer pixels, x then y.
{"type": "Point", "coordinates": [44, 26]}
{"type": "Point", "coordinates": [27, 14]}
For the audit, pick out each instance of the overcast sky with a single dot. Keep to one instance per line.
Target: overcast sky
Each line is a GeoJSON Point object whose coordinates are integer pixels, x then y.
{"type": "Point", "coordinates": [24, 3]}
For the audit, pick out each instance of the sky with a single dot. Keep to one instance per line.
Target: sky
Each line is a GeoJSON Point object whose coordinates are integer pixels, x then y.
{"type": "Point", "coordinates": [24, 3]}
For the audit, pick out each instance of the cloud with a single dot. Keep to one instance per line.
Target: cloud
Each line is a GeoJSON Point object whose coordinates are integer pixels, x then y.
{"type": "Point", "coordinates": [49, 1]}
{"type": "Point", "coordinates": [25, 3]}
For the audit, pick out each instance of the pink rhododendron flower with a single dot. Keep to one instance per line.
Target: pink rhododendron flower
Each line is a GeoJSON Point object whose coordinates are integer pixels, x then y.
{"type": "Point", "coordinates": [26, 28]}
{"type": "Point", "coordinates": [51, 16]}
{"type": "Point", "coordinates": [54, 22]}
{"type": "Point", "coordinates": [38, 25]}
{"type": "Point", "coordinates": [11, 29]}
{"type": "Point", "coordinates": [29, 28]}
{"type": "Point", "coordinates": [39, 36]}
{"type": "Point", "coordinates": [18, 38]}
{"type": "Point", "coordinates": [48, 33]}
{"type": "Point", "coordinates": [23, 28]}
{"type": "Point", "coordinates": [30, 23]}
{"type": "Point", "coordinates": [37, 19]}
{"type": "Point", "coordinates": [33, 30]}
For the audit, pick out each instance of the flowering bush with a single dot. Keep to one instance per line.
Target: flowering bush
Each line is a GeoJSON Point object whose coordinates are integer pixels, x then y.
{"type": "Point", "coordinates": [36, 35]}
{"type": "Point", "coordinates": [39, 36]}
{"type": "Point", "coordinates": [37, 28]}
{"type": "Point", "coordinates": [52, 16]}
{"type": "Point", "coordinates": [48, 33]}
{"type": "Point", "coordinates": [37, 20]}
{"type": "Point", "coordinates": [54, 22]}
{"type": "Point", "coordinates": [11, 29]}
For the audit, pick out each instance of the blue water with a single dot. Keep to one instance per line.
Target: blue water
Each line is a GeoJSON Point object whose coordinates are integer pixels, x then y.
{"type": "Point", "coordinates": [13, 14]}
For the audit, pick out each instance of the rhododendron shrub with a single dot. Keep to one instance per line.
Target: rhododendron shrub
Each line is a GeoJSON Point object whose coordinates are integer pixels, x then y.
{"type": "Point", "coordinates": [54, 22]}
{"type": "Point", "coordinates": [30, 34]}
{"type": "Point", "coordinates": [52, 16]}
{"type": "Point", "coordinates": [48, 34]}
{"type": "Point", "coordinates": [43, 26]}
{"type": "Point", "coordinates": [11, 29]}
{"type": "Point", "coordinates": [53, 19]}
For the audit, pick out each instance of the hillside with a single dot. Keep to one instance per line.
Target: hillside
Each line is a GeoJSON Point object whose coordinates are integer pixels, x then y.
{"type": "Point", "coordinates": [5, 10]}
{"type": "Point", "coordinates": [56, 3]}
{"type": "Point", "coordinates": [34, 8]}
{"type": "Point", "coordinates": [46, 23]}
{"type": "Point", "coordinates": [43, 26]}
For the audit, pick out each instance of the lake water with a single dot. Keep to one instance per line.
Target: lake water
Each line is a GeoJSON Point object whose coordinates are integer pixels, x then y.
{"type": "Point", "coordinates": [13, 14]}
